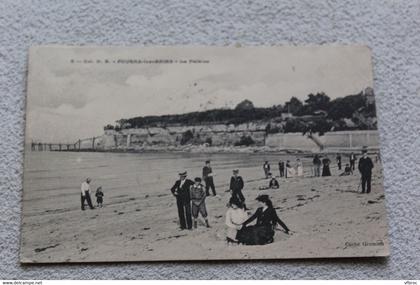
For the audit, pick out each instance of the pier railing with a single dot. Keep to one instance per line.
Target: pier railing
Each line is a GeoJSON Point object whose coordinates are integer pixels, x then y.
{"type": "Point", "coordinates": [87, 144]}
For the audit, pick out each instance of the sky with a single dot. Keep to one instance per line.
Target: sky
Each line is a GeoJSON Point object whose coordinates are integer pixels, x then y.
{"type": "Point", "coordinates": [73, 92]}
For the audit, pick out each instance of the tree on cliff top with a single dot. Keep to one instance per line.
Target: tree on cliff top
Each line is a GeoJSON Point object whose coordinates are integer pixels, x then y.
{"type": "Point", "coordinates": [245, 105]}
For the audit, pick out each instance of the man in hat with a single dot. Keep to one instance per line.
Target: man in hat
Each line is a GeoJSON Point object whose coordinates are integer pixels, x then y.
{"type": "Point", "coordinates": [208, 178]}
{"type": "Point", "coordinates": [181, 190]}
{"type": "Point", "coordinates": [85, 195]}
{"type": "Point", "coordinates": [365, 169]}
{"type": "Point", "coordinates": [236, 185]}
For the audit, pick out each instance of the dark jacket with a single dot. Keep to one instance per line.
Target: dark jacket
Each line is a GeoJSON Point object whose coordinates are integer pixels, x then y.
{"type": "Point", "coordinates": [316, 161]}
{"type": "Point", "coordinates": [365, 165]}
{"type": "Point", "coordinates": [236, 184]}
{"type": "Point", "coordinates": [267, 218]}
{"type": "Point", "coordinates": [183, 192]}
{"type": "Point", "coordinates": [206, 171]}
{"type": "Point", "coordinates": [197, 194]}
{"type": "Point", "coordinates": [281, 165]}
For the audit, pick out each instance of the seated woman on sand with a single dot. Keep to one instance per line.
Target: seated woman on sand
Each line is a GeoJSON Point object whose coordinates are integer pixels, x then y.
{"type": "Point", "coordinates": [272, 183]}
{"type": "Point", "coordinates": [235, 216]}
{"type": "Point", "coordinates": [263, 231]}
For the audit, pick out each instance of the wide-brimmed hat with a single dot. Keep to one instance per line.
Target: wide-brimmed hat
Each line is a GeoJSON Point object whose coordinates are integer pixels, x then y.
{"type": "Point", "coordinates": [236, 171]}
{"type": "Point", "coordinates": [207, 161]}
{"type": "Point", "coordinates": [182, 173]}
{"type": "Point", "coordinates": [263, 198]}
{"type": "Point", "coordinates": [197, 179]}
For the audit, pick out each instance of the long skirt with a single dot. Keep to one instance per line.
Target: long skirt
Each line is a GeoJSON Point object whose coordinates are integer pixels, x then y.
{"type": "Point", "coordinates": [255, 235]}
{"type": "Point", "coordinates": [326, 170]}
{"type": "Point", "coordinates": [299, 171]}
{"type": "Point", "coordinates": [290, 172]}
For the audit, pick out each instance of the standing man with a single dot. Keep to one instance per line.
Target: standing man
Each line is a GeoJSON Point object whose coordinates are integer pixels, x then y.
{"type": "Point", "coordinates": [281, 168]}
{"type": "Point", "coordinates": [317, 166]}
{"type": "Point", "coordinates": [365, 169]}
{"type": "Point", "coordinates": [86, 194]}
{"type": "Point", "coordinates": [181, 191]}
{"type": "Point", "coordinates": [208, 178]}
{"type": "Point", "coordinates": [352, 160]}
{"type": "Point", "coordinates": [338, 158]}
{"type": "Point", "coordinates": [236, 186]}
{"type": "Point", "coordinates": [266, 168]}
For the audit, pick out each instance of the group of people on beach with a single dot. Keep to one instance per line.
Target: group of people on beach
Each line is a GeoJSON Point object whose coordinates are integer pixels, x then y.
{"type": "Point", "coordinates": [191, 196]}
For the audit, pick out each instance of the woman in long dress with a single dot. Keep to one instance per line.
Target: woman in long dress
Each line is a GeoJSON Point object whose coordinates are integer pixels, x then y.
{"type": "Point", "coordinates": [290, 171]}
{"type": "Point", "coordinates": [326, 167]}
{"type": "Point", "coordinates": [263, 231]}
{"type": "Point", "coordinates": [299, 167]}
{"type": "Point", "coordinates": [235, 217]}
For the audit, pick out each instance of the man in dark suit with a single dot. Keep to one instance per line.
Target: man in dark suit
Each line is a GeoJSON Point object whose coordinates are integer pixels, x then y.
{"type": "Point", "coordinates": [181, 190]}
{"type": "Point", "coordinates": [208, 178]}
{"type": "Point", "coordinates": [365, 169]}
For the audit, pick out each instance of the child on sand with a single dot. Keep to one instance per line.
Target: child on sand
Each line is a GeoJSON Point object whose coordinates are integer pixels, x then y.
{"type": "Point", "coordinates": [99, 197]}
{"type": "Point", "coordinates": [198, 200]}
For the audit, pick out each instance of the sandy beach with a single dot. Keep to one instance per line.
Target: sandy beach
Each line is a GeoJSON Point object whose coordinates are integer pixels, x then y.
{"type": "Point", "coordinates": [328, 217]}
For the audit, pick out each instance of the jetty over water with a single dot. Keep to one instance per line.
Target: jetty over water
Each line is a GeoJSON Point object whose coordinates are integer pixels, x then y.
{"type": "Point", "coordinates": [87, 144]}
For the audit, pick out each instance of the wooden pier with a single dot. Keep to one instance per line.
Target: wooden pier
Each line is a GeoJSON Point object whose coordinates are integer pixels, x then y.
{"type": "Point", "coordinates": [88, 144]}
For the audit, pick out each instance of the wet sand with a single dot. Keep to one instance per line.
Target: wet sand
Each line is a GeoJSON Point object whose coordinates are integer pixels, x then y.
{"type": "Point", "coordinates": [327, 216]}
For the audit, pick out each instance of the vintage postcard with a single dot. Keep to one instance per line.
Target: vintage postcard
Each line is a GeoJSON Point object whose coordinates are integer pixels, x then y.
{"type": "Point", "coordinates": [201, 153]}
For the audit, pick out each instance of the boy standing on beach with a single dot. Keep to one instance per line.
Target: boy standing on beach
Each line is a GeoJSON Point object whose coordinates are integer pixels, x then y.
{"type": "Point", "coordinates": [236, 185]}
{"type": "Point", "coordinates": [99, 197]}
{"type": "Point", "coordinates": [198, 200]}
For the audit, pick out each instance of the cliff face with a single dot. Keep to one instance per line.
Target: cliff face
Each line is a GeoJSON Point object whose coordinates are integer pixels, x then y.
{"type": "Point", "coordinates": [212, 135]}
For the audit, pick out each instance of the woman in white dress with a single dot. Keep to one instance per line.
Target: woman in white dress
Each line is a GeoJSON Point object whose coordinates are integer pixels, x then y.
{"type": "Point", "coordinates": [290, 171]}
{"type": "Point", "coordinates": [235, 216]}
{"type": "Point", "coordinates": [299, 167]}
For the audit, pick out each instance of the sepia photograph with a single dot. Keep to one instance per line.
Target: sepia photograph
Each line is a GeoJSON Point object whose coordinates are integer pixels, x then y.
{"type": "Point", "coordinates": [201, 153]}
